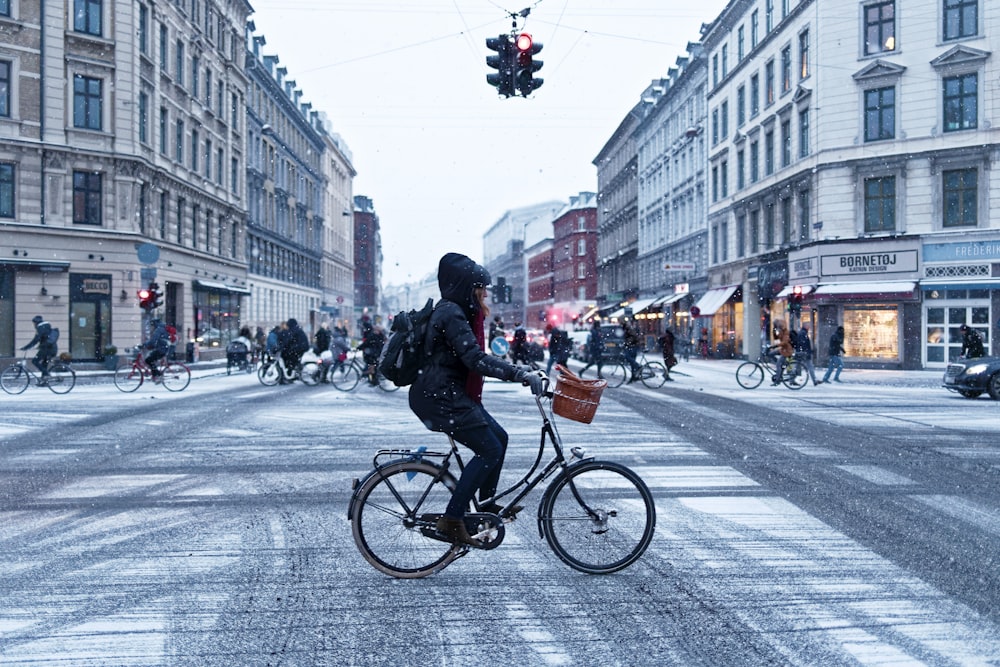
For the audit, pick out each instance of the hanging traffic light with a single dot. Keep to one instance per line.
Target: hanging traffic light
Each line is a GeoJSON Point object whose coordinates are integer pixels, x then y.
{"type": "Point", "coordinates": [525, 48]}
{"type": "Point", "coordinates": [145, 299]}
{"type": "Point", "coordinates": [503, 78]}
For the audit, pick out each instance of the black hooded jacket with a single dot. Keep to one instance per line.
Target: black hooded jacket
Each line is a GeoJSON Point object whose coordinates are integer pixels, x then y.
{"type": "Point", "coordinates": [438, 397]}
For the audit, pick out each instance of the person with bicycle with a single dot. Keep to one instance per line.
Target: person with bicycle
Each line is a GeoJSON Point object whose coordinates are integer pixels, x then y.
{"type": "Point", "coordinates": [158, 345]}
{"type": "Point", "coordinates": [783, 347]}
{"type": "Point", "coordinates": [371, 350]}
{"type": "Point", "coordinates": [447, 395]}
{"type": "Point", "coordinates": [804, 353]}
{"type": "Point", "coordinates": [293, 343]}
{"type": "Point", "coordinates": [47, 348]}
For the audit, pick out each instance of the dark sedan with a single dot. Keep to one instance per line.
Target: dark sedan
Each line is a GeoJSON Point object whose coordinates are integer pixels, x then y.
{"type": "Point", "coordinates": [972, 377]}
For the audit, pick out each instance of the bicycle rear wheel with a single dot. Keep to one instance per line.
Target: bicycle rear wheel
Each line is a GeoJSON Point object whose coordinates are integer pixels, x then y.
{"type": "Point", "coordinates": [598, 517]}
{"type": "Point", "coordinates": [386, 519]}
{"type": "Point", "coordinates": [615, 373]}
{"type": "Point", "coordinates": [653, 374]}
{"type": "Point", "coordinates": [310, 373]}
{"type": "Point", "coordinates": [62, 378]}
{"type": "Point", "coordinates": [176, 376]}
{"type": "Point", "coordinates": [269, 373]}
{"type": "Point", "coordinates": [750, 374]}
{"type": "Point", "coordinates": [345, 377]}
{"type": "Point", "coordinates": [794, 376]}
{"type": "Point", "coordinates": [14, 379]}
{"type": "Point", "coordinates": [128, 377]}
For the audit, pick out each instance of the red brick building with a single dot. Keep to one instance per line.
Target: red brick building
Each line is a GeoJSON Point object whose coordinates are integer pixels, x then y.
{"type": "Point", "coordinates": [574, 258]}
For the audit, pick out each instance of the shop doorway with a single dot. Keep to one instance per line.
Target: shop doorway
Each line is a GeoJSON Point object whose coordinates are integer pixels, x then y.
{"type": "Point", "coordinates": [89, 316]}
{"type": "Point", "coordinates": [942, 319]}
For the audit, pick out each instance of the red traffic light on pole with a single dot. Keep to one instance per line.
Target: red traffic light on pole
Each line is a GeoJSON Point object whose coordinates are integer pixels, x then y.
{"type": "Point", "coordinates": [145, 299]}
{"type": "Point", "coordinates": [525, 48]}
{"type": "Point", "coordinates": [155, 295]}
{"type": "Point", "coordinates": [795, 299]}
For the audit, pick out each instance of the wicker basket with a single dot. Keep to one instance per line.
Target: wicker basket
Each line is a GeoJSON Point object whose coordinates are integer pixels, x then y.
{"type": "Point", "coordinates": [575, 398]}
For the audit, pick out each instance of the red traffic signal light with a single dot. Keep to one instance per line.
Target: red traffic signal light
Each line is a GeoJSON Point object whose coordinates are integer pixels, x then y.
{"type": "Point", "coordinates": [145, 299]}
{"type": "Point", "coordinates": [523, 42]}
{"type": "Point", "coordinates": [525, 66]}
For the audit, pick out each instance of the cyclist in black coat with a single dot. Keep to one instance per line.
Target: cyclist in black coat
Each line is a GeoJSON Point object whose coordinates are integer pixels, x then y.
{"type": "Point", "coordinates": [46, 348]}
{"type": "Point", "coordinates": [447, 395]}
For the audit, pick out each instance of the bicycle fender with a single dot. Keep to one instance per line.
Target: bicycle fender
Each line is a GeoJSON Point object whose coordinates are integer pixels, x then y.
{"type": "Point", "coordinates": [357, 483]}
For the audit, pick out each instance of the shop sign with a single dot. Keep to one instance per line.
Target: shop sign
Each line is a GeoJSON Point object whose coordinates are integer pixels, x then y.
{"type": "Point", "coordinates": [962, 252]}
{"type": "Point", "coordinates": [96, 286]}
{"type": "Point", "coordinates": [870, 263]}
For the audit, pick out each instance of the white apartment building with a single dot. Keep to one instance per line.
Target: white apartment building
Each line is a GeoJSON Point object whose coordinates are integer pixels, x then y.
{"type": "Point", "coordinates": [852, 155]}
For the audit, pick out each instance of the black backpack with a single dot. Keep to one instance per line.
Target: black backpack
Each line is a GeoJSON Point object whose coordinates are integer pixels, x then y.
{"type": "Point", "coordinates": [53, 336]}
{"type": "Point", "coordinates": [405, 353]}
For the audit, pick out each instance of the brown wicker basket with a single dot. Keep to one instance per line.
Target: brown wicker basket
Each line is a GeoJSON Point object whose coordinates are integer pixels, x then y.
{"type": "Point", "coordinates": [575, 398]}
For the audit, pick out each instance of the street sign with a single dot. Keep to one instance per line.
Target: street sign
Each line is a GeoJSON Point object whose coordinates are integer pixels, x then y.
{"type": "Point", "coordinates": [148, 253]}
{"type": "Point", "coordinates": [679, 266]}
{"type": "Point", "coordinates": [146, 274]}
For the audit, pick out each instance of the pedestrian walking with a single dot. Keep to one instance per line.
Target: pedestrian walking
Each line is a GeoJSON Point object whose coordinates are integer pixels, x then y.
{"type": "Point", "coordinates": [631, 342]}
{"type": "Point", "coordinates": [595, 350]}
{"type": "Point", "coordinates": [666, 342]}
{"type": "Point", "coordinates": [804, 353]}
{"type": "Point", "coordinates": [836, 355]}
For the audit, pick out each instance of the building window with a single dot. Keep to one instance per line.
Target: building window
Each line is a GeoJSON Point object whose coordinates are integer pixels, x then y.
{"type": "Point", "coordinates": [880, 204]}
{"type": "Point", "coordinates": [768, 16]}
{"type": "Point", "coordinates": [5, 84]}
{"type": "Point", "coordinates": [754, 231]}
{"type": "Point", "coordinates": [219, 161]}
{"type": "Point", "coordinates": [960, 102]}
{"type": "Point", "coordinates": [786, 220]}
{"type": "Point", "coordinates": [880, 27]}
{"type": "Point", "coordinates": [769, 230]}
{"type": "Point", "coordinates": [163, 130]}
{"type": "Point", "coordinates": [784, 8]}
{"type": "Point", "coordinates": [740, 51]}
{"type": "Point", "coordinates": [5, 7]}
{"type": "Point", "coordinates": [769, 83]}
{"type": "Point", "coordinates": [87, 16]}
{"type": "Point", "coordinates": [741, 242]}
{"type": "Point", "coordinates": [960, 198]}
{"type": "Point", "coordinates": [234, 175]}
{"type": "Point", "coordinates": [754, 161]}
{"type": "Point", "coordinates": [164, 55]}
{"type": "Point", "coordinates": [179, 142]}
{"type": "Point", "coordinates": [6, 190]}
{"type": "Point", "coordinates": [754, 25]}
{"type": "Point", "coordinates": [179, 65]}
{"type": "Point", "coordinates": [163, 215]}
{"type": "Point", "coordinates": [581, 271]}
{"type": "Point", "coordinates": [208, 89]}
{"type": "Point", "coordinates": [180, 219]}
{"type": "Point", "coordinates": [581, 247]}
{"type": "Point", "coordinates": [86, 102]}
{"type": "Point", "coordinates": [769, 153]}
{"type": "Point", "coordinates": [724, 177]}
{"type": "Point", "coordinates": [144, 118]}
{"type": "Point", "coordinates": [715, 184]}
{"type": "Point", "coordinates": [143, 29]}
{"type": "Point", "coordinates": [741, 106]}
{"type": "Point", "coordinates": [724, 119]}
{"type": "Point", "coordinates": [803, 54]}
{"type": "Point", "coordinates": [961, 18]}
{"type": "Point", "coordinates": [195, 212]}
{"type": "Point", "coordinates": [235, 111]}
{"type": "Point", "coordinates": [86, 198]}
{"type": "Point", "coordinates": [208, 159]}
{"type": "Point", "coordinates": [715, 126]}
{"type": "Point", "coordinates": [715, 70]}
{"type": "Point", "coordinates": [741, 166]}
{"type": "Point", "coordinates": [804, 206]}
{"type": "Point", "coordinates": [194, 150]}
{"type": "Point", "coordinates": [880, 114]}
{"type": "Point", "coordinates": [786, 143]}
{"type": "Point", "coordinates": [754, 95]}
{"type": "Point", "coordinates": [725, 60]}
{"type": "Point", "coordinates": [724, 241]}
{"type": "Point", "coordinates": [804, 133]}
{"type": "Point", "coordinates": [786, 69]}
{"type": "Point", "coordinates": [195, 75]}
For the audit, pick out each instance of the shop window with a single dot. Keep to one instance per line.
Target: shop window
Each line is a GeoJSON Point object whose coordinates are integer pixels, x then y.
{"type": "Point", "coordinates": [872, 332]}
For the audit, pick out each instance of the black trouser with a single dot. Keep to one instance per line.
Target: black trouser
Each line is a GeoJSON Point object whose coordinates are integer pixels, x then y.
{"type": "Point", "coordinates": [151, 360]}
{"type": "Point", "coordinates": [41, 362]}
{"type": "Point", "coordinates": [489, 442]}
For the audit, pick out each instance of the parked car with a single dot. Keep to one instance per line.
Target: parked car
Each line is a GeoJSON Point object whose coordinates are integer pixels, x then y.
{"type": "Point", "coordinates": [972, 377]}
{"type": "Point", "coordinates": [579, 338]}
{"type": "Point", "coordinates": [614, 336]}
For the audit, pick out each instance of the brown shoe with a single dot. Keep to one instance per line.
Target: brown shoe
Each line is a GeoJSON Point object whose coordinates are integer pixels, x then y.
{"type": "Point", "coordinates": [456, 530]}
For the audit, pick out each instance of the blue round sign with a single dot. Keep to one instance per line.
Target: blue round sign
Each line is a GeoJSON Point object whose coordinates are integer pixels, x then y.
{"type": "Point", "coordinates": [499, 346]}
{"type": "Point", "coordinates": [148, 253]}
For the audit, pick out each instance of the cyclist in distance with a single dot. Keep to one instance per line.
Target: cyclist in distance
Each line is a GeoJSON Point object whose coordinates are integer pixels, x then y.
{"type": "Point", "coordinates": [47, 349]}
{"type": "Point", "coordinates": [447, 395]}
{"type": "Point", "coordinates": [158, 345]}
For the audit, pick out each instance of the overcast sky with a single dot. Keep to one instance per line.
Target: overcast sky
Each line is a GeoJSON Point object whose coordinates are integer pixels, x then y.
{"type": "Point", "coordinates": [441, 155]}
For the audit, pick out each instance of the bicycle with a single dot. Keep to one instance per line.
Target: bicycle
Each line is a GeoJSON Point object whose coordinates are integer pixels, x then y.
{"type": "Point", "coordinates": [653, 374]}
{"type": "Point", "coordinates": [614, 370]}
{"type": "Point", "coordinates": [597, 516]}
{"type": "Point", "coordinates": [60, 380]}
{"type": "Point", "coordinates": [130, 375]}
{"type": "Point", "coordinates": [750, 374]}
{"type": "Point", "coordinates": [345, 375]}
{"type": "Point", "coordinates": [273, 368]}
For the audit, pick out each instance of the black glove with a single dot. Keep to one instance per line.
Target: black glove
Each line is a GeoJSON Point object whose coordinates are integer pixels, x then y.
{"type": "Point", "coordinates": [529, 378]}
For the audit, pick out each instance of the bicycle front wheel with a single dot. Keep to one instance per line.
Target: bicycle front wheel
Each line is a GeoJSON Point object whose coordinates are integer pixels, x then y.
{"type": "Point", "coordinates": [14, 379]}
{"type": "Point", "coordinates": [598, 517]}
{"type": "Point", "coordinates": [310, 373]}
{"type": "Point", "coordinates": [345, 377]}
{"type": "Point", "coordinates": [176, 376]}
{"type": "Point", "coordinates": [615, 374]}
{"type": "Point", "coordinates": [269, 373]}
{"type": "Point", "coordinates": [386, 521]}
{"type": "Point", "coordinates": [62, 378]}
{"type": "Point", "coordinates": [653, 374]}
{"type": "Point", "coordinates": [750, 375]}
{"type": "Point", "coordinates": [128, 377]}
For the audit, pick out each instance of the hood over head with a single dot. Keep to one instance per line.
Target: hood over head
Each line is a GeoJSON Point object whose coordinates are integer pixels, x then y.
{"type": "Point", "coordinates": [37, 319]}
{"type": "Point", "coordinates": [292, 323]}
{"type": "Point", "coordinates": [457, 277]}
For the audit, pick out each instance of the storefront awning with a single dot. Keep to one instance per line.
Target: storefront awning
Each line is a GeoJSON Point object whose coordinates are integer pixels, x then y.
{"type": "Point", "coordinates": [615, 315]}
{"type": "Point", "coordinates": [40, 264]}
{"type": "Point", "coordinates": [639, 305]}
{"type": "Point", "coordinates": [713, 299]}
{"type": "Point", "coordinates": [901, 287]}
{"type": "Point", "coordinates": [590, 313]}
{"type": "Point", "coordinates": [220, 287]}
{"type": "Point", "coordinates": [806, 289]}
{"type": "Point", "coordinates": [669, 299]}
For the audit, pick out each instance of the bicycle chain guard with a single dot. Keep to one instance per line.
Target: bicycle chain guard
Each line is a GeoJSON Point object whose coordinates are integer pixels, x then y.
{"type": "Point", "coordinates": [485, 527]}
